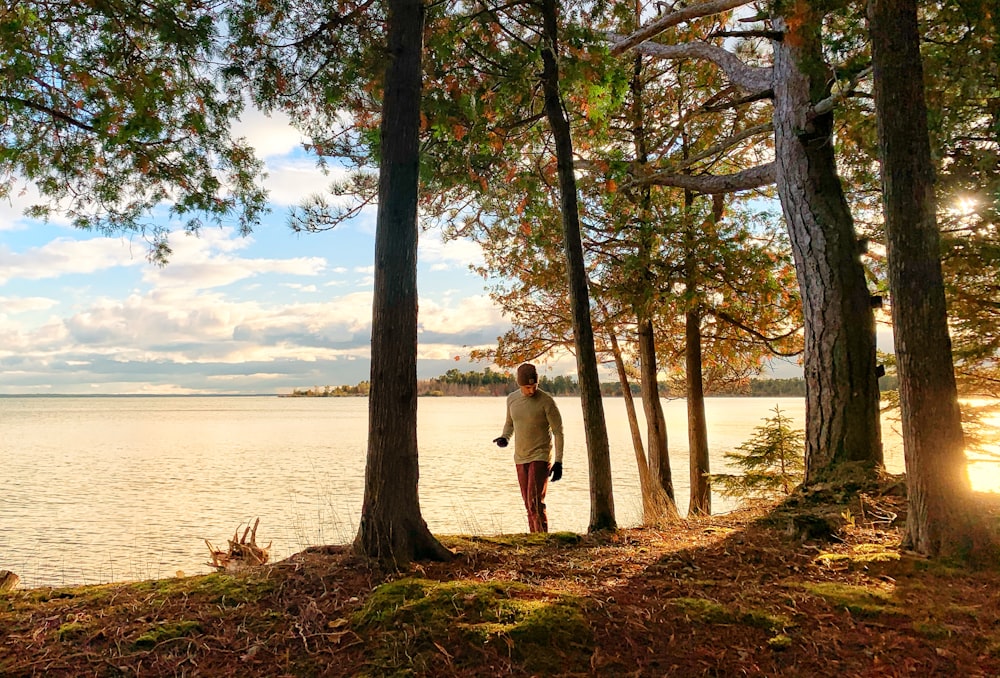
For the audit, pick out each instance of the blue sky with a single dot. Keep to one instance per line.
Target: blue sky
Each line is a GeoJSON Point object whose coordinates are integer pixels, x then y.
{"type": "Point", "coordinates": [84, 313]}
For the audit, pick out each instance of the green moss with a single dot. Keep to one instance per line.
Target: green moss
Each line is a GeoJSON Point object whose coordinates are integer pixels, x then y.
{"type": "Point", "coordinates": [932, 629]}
{"type": "Point", "coordinates": [711, 612]}
{"type": "Point", "coordinates": [432, 603]}
{"type": "Point", "coordinates": [222, 589]}
{"type": "Point", "coordinates": [857, 600]}
{"type": "Point", "coordinates": [86, 594]}
{"type": "Point", "coordinates": [531, 539]}
{"type": "Point", "coordinates": [970, 611]}
{"type": "Point", "coordinates": [162, 632]}
{"type": "Point", "coordinates": [779, 642]}
{"type": "Point", "coordinates": [553, 637]}
{"type": "Point", "coordinates": [704, 610]}
{"type": "Point", "coordinates": [861, 558]}
{"type": "Point", "coordinates": [70, 631]}
{"type": "Point", "coordinates": [413, 619]}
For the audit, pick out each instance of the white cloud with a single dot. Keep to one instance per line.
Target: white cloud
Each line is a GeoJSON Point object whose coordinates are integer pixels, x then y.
{"type": "Point", "coordinates": [205, 261]}
{"type": "Point", "coordinates": [290, 181]}
{"type": "Point", "coordinates": [40, 340]}
{"type": "Point", "coordinates": [441, 255]}
{"type": "Point", "coordinates": [458, 316]}
{"type": "Point", "coordinates": [271, 135]}
{"type": "Point", "coordinates": [12, 214]}
{"type": "Point", "coordinates": [63, 256]}
{"type": "Point", "coordinates": [178, 329]}
{"type": "Point", "coordinates": [23, 195]}
{"type": "Point", "coordinates": [12, 305]}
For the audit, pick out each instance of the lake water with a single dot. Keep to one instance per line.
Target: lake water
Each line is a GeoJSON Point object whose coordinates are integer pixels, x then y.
{"type": "Point", "coordinates": [123, 488]}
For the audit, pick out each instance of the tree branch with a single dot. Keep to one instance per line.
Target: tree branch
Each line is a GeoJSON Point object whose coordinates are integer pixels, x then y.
{"type": "Point", "coordinates": [41, 108]}
{"type": "Point", "coordinates": [725, 144]}
{"type": "Point", "coordinates": [829, 103]}
{"type": "Point", "coordinates": [770, 35]}
{"type": "Point", "coordinates": [755, 177]}
{"type": "Point", "coordinates": [768, 341]}
{"type": "Point", "coordinates": [749, 78]}
{"type": "Point", "coordinates": [742, 101]}
{"type": "Point", "coordinates": [666, 21]}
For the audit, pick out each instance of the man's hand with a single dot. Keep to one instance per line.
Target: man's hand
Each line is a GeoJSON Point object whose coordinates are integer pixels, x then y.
{"type": "Point", "coordinates": [501, 441]}
{"type": "Point", "coordinates": [555, 472]}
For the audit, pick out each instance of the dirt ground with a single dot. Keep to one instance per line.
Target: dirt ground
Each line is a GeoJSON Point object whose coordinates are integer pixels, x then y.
{"type": "Point", "coordinates": [731, 595]}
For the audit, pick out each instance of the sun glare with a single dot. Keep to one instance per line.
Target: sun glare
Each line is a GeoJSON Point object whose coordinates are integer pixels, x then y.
{"type": "Point", "coordinates": [984, 465]}
{"type": "Point", "coordinates": [984, 474]}
{"type": "Point", "coordinates": [964, 206]}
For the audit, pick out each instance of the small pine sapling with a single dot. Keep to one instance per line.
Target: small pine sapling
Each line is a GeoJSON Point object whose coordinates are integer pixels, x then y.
{"type": "Point", "coordinates": [772, 460]}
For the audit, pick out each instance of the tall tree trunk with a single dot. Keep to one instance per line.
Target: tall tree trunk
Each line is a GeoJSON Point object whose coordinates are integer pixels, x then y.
{"type": "Point", "coordinates": [842, 423]}
{"type": "Point", "coordinates": [698, 459]}
{"type": "Point", "coordinates": [941, 518]}
{"type": "Point", "coordinates": [392, 529]}
{"type": "Point", "coordinates": [701, 492]}
{"type": "Point", "coordinates": [652, 406]}
{"type": "Point", "coordinates": [657, 507]}
{"type": "Point", "coordinates": [602, 509]}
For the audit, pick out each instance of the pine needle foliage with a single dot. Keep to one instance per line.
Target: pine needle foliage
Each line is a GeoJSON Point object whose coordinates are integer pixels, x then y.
{"type": "Point", "coordinates": [772, 461]}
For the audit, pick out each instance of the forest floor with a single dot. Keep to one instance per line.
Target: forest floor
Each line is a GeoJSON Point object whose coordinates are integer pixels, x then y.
{"type": "Point", "coordinates": [729, 595]}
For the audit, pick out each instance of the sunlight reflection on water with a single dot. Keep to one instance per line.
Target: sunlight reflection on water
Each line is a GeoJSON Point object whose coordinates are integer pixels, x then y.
{"type": "Point", "coordinates": [109, 489]}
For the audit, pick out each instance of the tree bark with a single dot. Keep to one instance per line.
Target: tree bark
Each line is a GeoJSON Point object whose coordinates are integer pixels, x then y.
{"type": "Point", "coordinates": [656, 423]}
{"type": "Point", "coordinates": [698, 460]}
{"type": "Point", "coordinates": [652, 407]}
{"type": "Point", "coordinates": [391, 528]}
{"type": "Point", "coordinates": [602, 511]}
{"type": "Point", "coordinates": [701, 493]}
{"type": "Point", "coordinates": [842, 424]}
{"type": "Point", "coordinates": [941, 519]}
{"type": "Point", "coordinates": [657, 507]}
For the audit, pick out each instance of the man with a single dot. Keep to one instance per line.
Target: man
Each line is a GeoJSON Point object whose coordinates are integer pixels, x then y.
{"type": "Point", "coordinates": [534, 421]}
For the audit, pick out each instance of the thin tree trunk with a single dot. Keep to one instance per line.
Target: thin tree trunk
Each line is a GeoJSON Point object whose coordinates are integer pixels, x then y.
{"type": "Point", "coordinates": [656, 422]}
{"type": "Point", "coordinates": [657, 507]}
{"type": "Point", "coordinates": [392, 529]}
{"type": "Point", "coordinates": [941, 518]}
{"type": "Point", "coordinates": [602, 510]}
{"type": "Point", "coordinates": [701, 492]}
{"type": "Point", "coordinates": [698, 459]}
{"type": "Point", "coordinates": [842, 424]}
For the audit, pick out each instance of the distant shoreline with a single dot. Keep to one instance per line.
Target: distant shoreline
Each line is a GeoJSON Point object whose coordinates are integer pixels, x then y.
{"type": "Point", "coordinates": [137, 395]}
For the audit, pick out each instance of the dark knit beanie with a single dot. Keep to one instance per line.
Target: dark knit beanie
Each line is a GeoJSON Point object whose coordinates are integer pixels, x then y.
{"type": "Point", "coordinates": [526, 375]}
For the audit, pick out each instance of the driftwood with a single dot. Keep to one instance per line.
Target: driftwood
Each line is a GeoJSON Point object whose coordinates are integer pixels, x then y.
{"type": "Point", "coordinates": [242, 553]}
{"type": "Point", "coordinates": [8, 580]}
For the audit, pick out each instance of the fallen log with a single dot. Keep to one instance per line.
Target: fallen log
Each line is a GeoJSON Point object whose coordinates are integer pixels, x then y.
{"type": "Point", "coordinates": [242, 552]}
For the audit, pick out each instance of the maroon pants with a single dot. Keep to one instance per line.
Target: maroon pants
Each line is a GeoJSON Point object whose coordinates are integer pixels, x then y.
{"type": "Point", "coordinates": [533, 478]}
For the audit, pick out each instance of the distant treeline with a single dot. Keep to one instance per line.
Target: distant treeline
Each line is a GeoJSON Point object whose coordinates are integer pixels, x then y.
{"type": "Point", "coordinates": [360, 389]}
{"type": "Point", "coordinates": [490, 383]}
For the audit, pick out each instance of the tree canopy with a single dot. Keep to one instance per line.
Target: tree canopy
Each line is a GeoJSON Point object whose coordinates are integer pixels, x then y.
{"type": "Point", "coordinates": [114, 109]}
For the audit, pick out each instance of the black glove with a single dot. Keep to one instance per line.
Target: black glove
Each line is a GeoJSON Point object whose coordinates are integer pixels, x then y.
{"type": "Point", "coordinates": [501, 441]}
{"type": "Point", "coordinates": [555, 471]}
